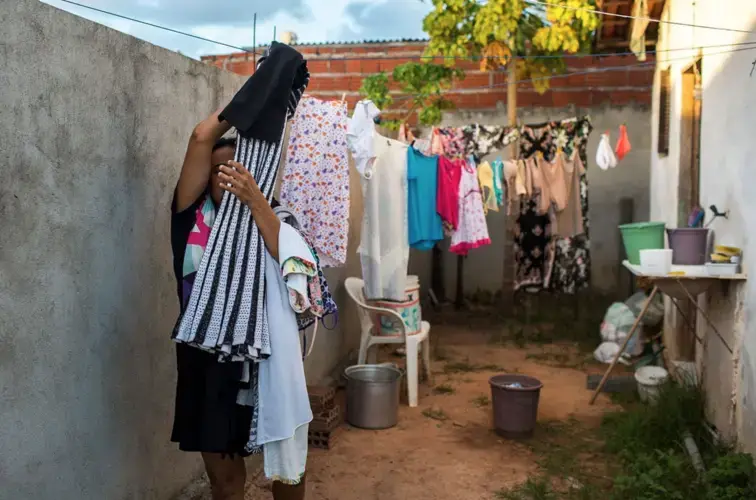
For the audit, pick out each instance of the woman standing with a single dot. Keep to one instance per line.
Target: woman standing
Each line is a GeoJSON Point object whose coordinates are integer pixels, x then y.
{"type": "Point", "coordinates": [208, 419]}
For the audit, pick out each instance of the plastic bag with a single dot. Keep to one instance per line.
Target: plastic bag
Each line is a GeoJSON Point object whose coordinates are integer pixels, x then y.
{"type": "Point", "coordinates": [623, 143]}
{"type": "Point", "coordinates": [605, 158]}
{"type": "Point", "coordinates": [618, 321]}
{"type": "Point", "coordinates": [654, 313]}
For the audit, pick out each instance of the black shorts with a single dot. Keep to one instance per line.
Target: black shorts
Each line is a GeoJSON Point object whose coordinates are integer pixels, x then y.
{"type": "Point", "coordinates": [207, 418]}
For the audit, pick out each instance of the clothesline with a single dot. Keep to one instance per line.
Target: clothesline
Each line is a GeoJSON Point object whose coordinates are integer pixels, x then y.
{"type": "Point", "coordinates": [448, 185]}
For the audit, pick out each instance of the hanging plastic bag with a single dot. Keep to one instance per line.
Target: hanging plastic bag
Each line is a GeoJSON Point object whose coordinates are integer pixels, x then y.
{"type": "Point", "coordinates": [623, 143]}
{"type": "Point", "coordinates": [605, 158]}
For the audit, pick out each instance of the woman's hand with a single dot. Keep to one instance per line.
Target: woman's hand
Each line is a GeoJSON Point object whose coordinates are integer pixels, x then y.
{"type": "Point", "coordinates": [237, 180]}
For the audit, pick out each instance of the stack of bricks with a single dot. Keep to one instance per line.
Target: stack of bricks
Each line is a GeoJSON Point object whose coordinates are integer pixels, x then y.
{"type": "Point", "coordinates": [326, 422]}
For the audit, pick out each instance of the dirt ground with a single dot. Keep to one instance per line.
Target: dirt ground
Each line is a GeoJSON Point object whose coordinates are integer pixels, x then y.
{"type": "Point", "coordinates": [445, 448]}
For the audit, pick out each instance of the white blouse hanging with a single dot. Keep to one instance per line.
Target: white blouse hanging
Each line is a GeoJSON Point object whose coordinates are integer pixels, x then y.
{"type": "Point", "coordinates": [384, 245]}
{"type": "Point", "coordinates": [605, 157]}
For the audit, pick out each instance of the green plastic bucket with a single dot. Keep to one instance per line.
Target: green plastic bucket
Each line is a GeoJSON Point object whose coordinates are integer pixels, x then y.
{"type": "Point", "coordinates": [641, 236]}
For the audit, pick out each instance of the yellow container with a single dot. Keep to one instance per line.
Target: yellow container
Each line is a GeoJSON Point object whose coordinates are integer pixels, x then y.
{"type": "Point", "coordinates": [725, 250]}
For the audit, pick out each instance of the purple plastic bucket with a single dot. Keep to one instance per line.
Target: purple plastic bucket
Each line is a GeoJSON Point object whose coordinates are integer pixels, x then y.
{"type": "Point", "coordinates": [688, 245]}
{"type": "Point", "coordinates": [515, 404]}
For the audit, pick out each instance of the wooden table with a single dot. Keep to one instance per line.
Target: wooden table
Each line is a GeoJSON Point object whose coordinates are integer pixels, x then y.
{"type": "Point", "coordinates": [682, 283]}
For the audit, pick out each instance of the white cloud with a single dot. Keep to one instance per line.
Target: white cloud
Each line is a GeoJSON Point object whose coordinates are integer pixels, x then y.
{"type": "Point", "coordinates": [231, 22]}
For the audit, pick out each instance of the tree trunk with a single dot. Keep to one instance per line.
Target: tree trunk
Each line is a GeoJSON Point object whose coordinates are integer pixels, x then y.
{"type": "Point", "coordinates": [507, 282]}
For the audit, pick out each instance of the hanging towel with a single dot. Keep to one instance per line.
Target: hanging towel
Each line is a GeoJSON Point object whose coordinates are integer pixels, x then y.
{"type": "Point", "coordinates": [226, 312]}
{"type": "Point", "coordinates": [623, 143]}
{"type": "Point", "coordinates": [605, 158]}
{"type": "Point", "coordinates": [315, 182]}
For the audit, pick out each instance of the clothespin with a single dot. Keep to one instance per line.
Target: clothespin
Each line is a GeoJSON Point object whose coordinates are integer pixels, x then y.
{"type": "Point", "coordinates": [559, 150]}
{"type": "Point", "coordinates": [343, 98]}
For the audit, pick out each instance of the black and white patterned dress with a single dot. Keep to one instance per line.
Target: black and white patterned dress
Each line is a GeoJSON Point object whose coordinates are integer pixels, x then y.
{"type": "Point", "coordinates": [560, 264]}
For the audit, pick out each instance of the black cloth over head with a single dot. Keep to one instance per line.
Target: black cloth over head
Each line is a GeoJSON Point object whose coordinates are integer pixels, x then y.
{"type": "Point", "coordinates": [259, 110]}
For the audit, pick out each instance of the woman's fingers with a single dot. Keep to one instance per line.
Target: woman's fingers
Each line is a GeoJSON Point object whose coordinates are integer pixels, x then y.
{"type": "Point", "coordinates": [226, 179]}
{"type": "Point", "coordinates": [230, 173]}
{"type": "Point", "coordinates": [237, 166]}
{"type": "Point", "coordinates": [231, 189]}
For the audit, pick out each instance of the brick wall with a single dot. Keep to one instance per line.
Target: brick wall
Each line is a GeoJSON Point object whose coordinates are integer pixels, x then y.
{"type": "Point", "coordinates": [336, 70]}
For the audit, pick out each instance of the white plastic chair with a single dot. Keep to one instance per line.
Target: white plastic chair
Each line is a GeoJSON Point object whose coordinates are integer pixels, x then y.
{"type": "Point", "coordinates": [412, 342]}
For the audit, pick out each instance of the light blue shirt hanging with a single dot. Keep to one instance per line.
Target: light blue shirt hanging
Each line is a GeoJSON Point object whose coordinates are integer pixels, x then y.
{"type": "Point", "coordinates": [425, 227]}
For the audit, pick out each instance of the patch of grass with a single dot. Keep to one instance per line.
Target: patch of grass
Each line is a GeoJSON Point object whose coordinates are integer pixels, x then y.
{"type": "Point", "coordinates": [444, 389]}
{"type": "Point", "coordinates": [647, 440]}
{"type": "Point", "coordinates": [467, 367]}
{"type": "Point", "coordinates": [435, 414]}
{"type": "Point", "coordinates": [642, 429]}
{"type": "Point", "coordinates": [552, 357]}
{"type": "Point", "coordinates": [533, 489]}
{"type": "Point", "coordinates": [626, 399]}
{"type": "Point", "coordinates": [459, 367]}
{"type": "Point", "coordinates": [481, 401]}
{"type": "Point", "coordinates": [540, 488]}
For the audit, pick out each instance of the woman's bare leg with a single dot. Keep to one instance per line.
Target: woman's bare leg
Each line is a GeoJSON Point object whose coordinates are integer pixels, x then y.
{"type": "Point", "coordinates": [228, 476]}
{"type": "Point", "coordinates": [283, 491]}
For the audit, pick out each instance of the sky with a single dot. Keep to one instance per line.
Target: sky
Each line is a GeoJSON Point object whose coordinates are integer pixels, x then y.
{"type": "Point", "coordinates": [231, 21]}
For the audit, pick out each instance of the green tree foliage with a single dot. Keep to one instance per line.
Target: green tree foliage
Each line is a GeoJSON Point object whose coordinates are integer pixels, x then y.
{"type": "Point", "coordinates": [422, 85]}
{"type": "Point", "coordinates": [497, 30]}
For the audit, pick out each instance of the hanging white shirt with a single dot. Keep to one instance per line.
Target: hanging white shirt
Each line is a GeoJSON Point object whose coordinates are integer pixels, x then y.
{"type": "Point", "coordinates": [384, 244]}
{"type": "Point", "coordinates": [360, 132]}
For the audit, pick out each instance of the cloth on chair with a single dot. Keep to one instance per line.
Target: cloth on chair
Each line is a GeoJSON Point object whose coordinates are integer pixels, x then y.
{"type": "Point", "coordinates": [226, 312]}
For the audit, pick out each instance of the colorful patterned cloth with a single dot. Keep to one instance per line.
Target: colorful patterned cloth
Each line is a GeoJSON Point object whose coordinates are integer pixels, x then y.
{"type": "Point", "coordinates": [319, 298]}
{"type": "Point", "coordinates": [315, 183]}
{"type": "Point", "coordinates": [449, 142]}
{"type": "Point", "coordinates": [481, 140]}
{"type": "Point", "coordinates": [561, 264]}
{"type": "Point", "coordinates": [195, 246]}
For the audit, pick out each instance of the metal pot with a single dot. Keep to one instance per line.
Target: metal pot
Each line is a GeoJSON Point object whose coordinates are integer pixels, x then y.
{"type": "Point", "coordinates": [373, 395]}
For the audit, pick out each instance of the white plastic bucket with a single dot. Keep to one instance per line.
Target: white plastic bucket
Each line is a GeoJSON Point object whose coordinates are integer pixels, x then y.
{"type": "Point", "coordinates": [656, 261]}
{"type": "Point", "coordinates": [650, 379]}
{"type": "Point", "coordinates": [409, 310]}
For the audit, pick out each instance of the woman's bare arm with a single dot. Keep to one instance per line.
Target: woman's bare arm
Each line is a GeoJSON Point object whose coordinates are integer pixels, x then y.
{"type": "Point", "coordinates": [197, 167]}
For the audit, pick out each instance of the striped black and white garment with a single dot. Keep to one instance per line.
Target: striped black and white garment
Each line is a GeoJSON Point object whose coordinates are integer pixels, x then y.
{"type": "Point", "coordinates": [226, 311]}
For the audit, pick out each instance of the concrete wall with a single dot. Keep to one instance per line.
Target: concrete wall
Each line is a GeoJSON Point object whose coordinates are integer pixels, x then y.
{"type": "Point", "coordinates": [727, 176]}
{"type": "Point", "coordinates": [485, 266]}
{"type": "Point", "coordinates": [94, 125]}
